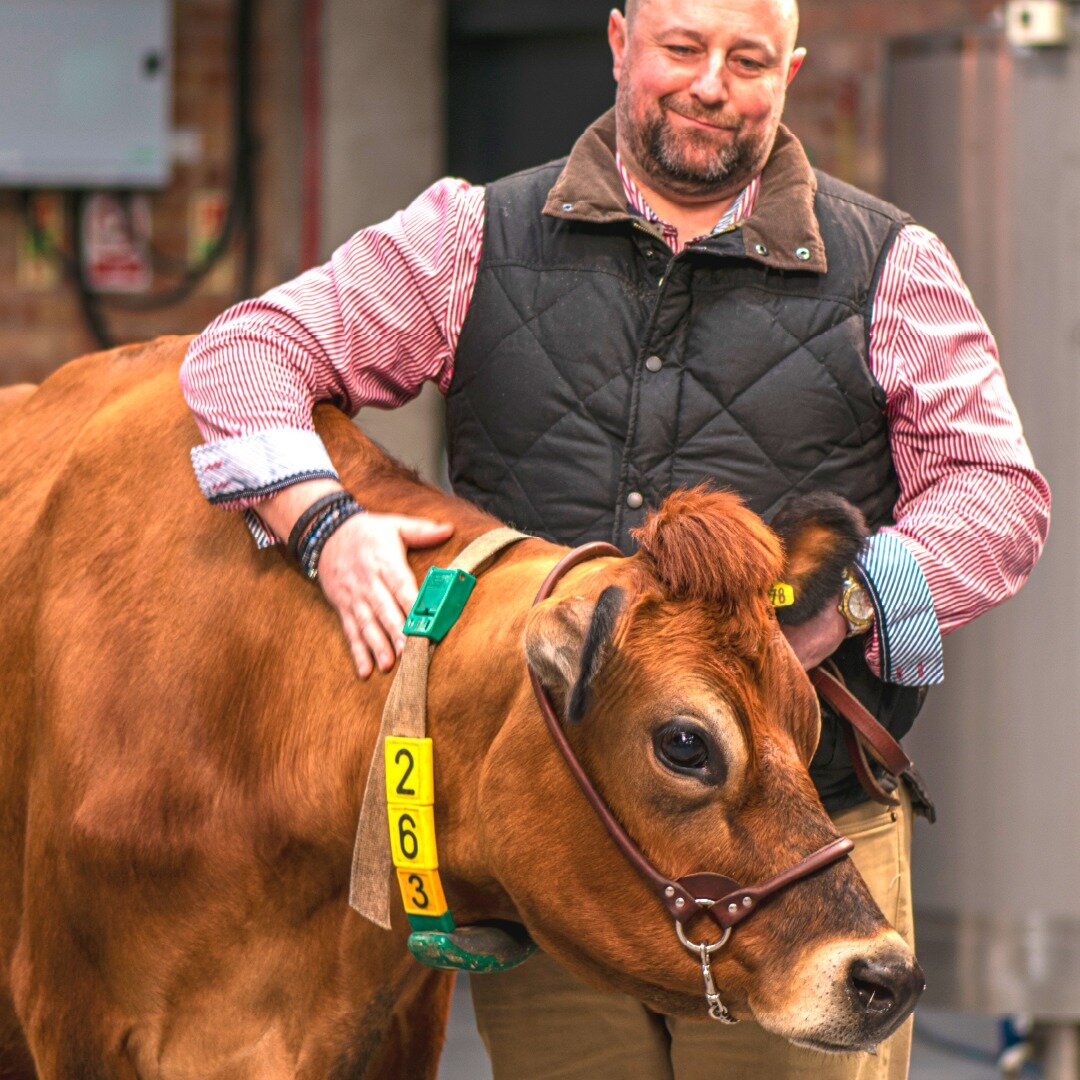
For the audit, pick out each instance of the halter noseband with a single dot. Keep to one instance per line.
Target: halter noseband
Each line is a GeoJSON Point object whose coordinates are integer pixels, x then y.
{"type": "Point", "coordinates": [724, 900]}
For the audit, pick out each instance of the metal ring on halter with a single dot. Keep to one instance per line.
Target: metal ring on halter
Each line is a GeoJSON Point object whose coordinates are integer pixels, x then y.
{"type": "Point", "coordinates": [696, 947]}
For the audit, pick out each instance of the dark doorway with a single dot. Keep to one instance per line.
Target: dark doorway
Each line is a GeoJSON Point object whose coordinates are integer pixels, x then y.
{"type": "Point", "coordinates": [525, 78]}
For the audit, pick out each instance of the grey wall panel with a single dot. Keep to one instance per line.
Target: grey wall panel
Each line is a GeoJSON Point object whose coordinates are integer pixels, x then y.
{"type": "Point", "coordinates": [985, 149]}
{"type": "Point", "coordinates": [383, 134]}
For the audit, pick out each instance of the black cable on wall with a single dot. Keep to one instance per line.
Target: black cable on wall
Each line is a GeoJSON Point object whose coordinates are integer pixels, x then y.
{"type": "Point", "coordinates": [240, 215]}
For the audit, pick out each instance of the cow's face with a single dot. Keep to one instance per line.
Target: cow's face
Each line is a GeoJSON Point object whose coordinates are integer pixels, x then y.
{"type": "Point", "coordinates": [696, 724]}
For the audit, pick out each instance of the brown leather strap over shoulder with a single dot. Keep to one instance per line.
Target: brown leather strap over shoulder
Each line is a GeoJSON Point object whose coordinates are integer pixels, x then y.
{"type": "Point", "coordinates": [865, 735]}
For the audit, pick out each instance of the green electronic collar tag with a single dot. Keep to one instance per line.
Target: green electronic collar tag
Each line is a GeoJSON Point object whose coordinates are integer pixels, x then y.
{"type": "Point", "coordinates": [482, 948]}
{"type": "Point", "coordinates": [441, 600]}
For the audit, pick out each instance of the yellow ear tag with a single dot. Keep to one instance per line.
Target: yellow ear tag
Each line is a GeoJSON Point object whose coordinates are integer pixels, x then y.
{"type": "Point", "coordinates": [781, 595]}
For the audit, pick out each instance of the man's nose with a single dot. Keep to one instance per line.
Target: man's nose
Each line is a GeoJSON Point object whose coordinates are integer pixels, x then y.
{"type": "Point", "coordinates": [710, 86]}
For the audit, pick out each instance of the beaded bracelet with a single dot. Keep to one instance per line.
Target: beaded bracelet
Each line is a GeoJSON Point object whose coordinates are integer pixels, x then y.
{"type": "Point", "coordinates": [302, 529]}
{"type": "Point", "coordinates": [323, 527]}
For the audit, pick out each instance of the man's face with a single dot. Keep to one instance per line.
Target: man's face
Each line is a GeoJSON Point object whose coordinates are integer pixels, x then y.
{"type": "Point", "coordinates": [701, 89]}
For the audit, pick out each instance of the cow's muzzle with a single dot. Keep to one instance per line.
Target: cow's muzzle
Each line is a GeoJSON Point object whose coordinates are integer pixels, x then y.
{"type": "Point", "coordinates": [883, 992]}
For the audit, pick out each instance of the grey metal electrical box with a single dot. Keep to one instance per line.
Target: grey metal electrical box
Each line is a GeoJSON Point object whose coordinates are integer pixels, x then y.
{"type": "Point", "coordinates": [85, 91]}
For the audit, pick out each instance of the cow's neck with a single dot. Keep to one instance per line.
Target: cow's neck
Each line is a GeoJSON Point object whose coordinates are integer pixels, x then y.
{"type": "Point", "coordinates": [478, 685]}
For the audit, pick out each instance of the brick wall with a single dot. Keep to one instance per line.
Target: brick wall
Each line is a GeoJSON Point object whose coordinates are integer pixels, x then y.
{"type": "Point", "coordinates": [42, 327]}
{"type": "Point", "coordinates": [835, 103]}
{"type": "Point", "coordinates": [835, 106]}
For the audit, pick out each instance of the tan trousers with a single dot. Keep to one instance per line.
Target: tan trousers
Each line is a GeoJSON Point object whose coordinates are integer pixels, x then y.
{"type": "Point", "coordinates": [541, 1023]}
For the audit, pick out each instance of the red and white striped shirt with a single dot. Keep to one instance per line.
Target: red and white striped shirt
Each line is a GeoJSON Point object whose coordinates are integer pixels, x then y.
{"type": "Point", "coordinates": [383, 316]}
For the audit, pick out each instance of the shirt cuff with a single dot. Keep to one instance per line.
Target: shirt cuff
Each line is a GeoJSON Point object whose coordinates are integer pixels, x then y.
{"type": "Point", "coordinates": [247, 468]}
{"type": "Point", "coordinates": [907, 638]}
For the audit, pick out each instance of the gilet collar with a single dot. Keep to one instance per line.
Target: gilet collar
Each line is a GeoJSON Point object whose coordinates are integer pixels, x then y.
{"type": "Point", "coordinates": [782, 232]}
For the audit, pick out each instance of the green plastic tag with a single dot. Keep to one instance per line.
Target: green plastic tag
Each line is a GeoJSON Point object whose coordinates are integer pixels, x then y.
{"type": "Point", "coordinates": [444, 922]}
{"type": "Point", "coordinates": [472, 948]}
{"type": "Point", "coordinates": [441, 600]}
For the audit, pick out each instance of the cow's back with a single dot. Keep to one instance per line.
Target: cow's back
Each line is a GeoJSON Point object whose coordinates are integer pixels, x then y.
{"type": "Point", "coordinates": [40, 430]}
{"type": "Point", "coordinates": [154, 676]}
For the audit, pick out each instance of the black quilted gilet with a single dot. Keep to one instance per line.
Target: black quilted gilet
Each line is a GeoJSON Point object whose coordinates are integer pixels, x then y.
{"type": "Point", "coordinates": [595, 373]}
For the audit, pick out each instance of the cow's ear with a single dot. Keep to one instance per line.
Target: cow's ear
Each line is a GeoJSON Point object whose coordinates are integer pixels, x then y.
{"type": "Point", "coordinates": [822, 533]}
{"type": "Point", "coordinates": [567, 642]}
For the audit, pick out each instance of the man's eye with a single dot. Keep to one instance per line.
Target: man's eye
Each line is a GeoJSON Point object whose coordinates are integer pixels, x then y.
{"type": "Point", "coordinates": [680, 50]}
{"type": "Point", "coordinates": [682, 749]}
{"type": "Point", "coordinates": [744, 63]}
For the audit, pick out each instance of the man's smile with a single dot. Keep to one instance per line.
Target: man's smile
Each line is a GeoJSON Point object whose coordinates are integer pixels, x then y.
{"type": "Point", "coordinates": [704, 124]}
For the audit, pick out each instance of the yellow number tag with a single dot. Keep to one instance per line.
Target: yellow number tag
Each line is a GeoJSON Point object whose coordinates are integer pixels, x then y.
{"type": "Point", "coordinates": [410, 773]}
{"type": "Point", "coordinates": [781, 595]}
{"type": "Point", "coordinates": [421, 892]}
{"type": "Point", "coordinates": [412, 836]}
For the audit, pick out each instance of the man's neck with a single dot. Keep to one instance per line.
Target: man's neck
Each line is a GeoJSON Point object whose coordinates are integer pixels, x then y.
{"type": "Point", "coordinates": [689, 219]}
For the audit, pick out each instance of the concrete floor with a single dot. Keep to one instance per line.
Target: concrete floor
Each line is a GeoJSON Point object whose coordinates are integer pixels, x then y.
{"type": "Point", "coordinates": [464, 1057]}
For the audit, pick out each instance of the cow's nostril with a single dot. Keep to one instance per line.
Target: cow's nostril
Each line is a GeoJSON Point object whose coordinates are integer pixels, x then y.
{"type": "Point", "coordinates": [873, 997]}
{"type": "Point", "coordinates": [884, 991]}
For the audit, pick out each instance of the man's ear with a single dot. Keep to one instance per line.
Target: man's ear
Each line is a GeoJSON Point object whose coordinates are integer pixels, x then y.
{"type": "Point", "coordinates": [796, 62]}
{"type": "Point", "coordinates": [616, 33]}
{"type": "Point", "coordinates": [566, 644]}
{"type": "Point", "coordinates": [822, 533]}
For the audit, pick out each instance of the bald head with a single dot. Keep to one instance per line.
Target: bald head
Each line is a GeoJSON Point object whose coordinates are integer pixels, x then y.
{"type": "Point", "coordinates": [788, 11]}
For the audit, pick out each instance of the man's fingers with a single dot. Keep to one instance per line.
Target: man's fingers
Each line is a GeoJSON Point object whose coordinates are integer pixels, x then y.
{"type": "Point", "coordinates": [419, 532]}
{"type": "Point", "coordinates": [402, 588]}
{"type": "Point", "coordinates": [361, 654]}
{"type": "Point", "coordinates": [375, 636]}
{"type": "Point", "coordinates": [390, 617]}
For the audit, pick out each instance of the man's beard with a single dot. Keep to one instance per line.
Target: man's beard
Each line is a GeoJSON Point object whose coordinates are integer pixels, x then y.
{"type": "Point", "coordinates": [662, 152]}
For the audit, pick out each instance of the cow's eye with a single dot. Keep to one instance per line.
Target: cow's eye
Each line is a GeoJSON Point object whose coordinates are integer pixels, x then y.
{"type": "Point", "coordinates": [682, 748]}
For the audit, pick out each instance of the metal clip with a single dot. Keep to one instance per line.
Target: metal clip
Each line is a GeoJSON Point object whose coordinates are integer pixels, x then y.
{"type": "Point", "coordinates": [717, 1009]}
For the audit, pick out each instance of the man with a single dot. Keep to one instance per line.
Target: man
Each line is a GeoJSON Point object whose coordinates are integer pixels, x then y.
{"type": "Point", "coordinates": [682, 300]}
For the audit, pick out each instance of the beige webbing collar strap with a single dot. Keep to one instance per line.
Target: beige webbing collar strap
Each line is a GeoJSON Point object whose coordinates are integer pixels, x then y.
{"type": "Point", "coordinates": [404, 715]}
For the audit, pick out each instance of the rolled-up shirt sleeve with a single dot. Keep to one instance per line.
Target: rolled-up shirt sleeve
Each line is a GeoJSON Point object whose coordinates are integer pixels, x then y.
{"type": "Point", "coordinates": [370, 327]}
{"type": "Point", "coordinates": [973, 510]}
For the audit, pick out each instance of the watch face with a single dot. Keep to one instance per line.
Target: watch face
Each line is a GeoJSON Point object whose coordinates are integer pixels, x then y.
{"type": "Point", "coordinates": [858, 603]}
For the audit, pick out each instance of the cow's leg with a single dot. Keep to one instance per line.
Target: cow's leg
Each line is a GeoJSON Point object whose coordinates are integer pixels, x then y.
{"type": "Point", "coordinates": [413, 1044]}
{"type": "Point", "coordinates": [61, 1006]}
{"type": "Point", "coordinates": [15, 1060]}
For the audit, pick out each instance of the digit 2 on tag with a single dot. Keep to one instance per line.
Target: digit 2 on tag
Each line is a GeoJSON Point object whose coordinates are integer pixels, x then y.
{"type": "Point", "coordinates": [410, 772]}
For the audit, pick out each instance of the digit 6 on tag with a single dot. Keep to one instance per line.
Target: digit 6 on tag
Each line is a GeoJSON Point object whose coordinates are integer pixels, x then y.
{"type": "Point", "coordinates": [412, 836]}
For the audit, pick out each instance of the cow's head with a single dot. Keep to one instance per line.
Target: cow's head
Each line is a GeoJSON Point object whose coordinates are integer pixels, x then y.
{"type": "Point", "coordinates": [696, 724]}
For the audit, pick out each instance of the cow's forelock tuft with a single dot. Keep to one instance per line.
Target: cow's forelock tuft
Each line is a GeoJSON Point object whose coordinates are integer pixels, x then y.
{"type": "Point", "coordinates": [706, 545]}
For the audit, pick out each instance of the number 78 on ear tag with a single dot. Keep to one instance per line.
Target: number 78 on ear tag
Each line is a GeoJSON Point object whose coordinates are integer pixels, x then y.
{"type": "Point", "coordinates": [410, 771]}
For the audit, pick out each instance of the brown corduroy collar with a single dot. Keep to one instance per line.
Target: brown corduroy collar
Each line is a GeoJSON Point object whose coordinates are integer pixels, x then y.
{"type": "Point", "coordinates": [782, 232]}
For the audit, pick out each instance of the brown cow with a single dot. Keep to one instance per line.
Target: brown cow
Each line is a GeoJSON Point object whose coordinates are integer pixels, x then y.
{"type": "Point", "coordinates": [185, 744]}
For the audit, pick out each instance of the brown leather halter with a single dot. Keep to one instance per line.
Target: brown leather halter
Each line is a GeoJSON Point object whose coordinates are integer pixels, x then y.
{"type": "Point", "coordinates": [725, 901]}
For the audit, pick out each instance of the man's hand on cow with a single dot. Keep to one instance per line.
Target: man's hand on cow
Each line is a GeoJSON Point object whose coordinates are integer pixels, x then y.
{"type": "Point", "coordinates": [819, 637]}
{"type": "Point", "coordinates": [363, 569]}
{"type": "Point", "coordinates": [365, 574]}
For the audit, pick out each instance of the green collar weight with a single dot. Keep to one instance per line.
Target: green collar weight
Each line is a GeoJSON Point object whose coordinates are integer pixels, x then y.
{"type": "Point", "coordinates": [405, 772]}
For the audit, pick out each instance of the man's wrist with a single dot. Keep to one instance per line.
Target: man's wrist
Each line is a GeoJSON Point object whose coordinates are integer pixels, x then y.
{"type": "Point", "coordinates": [856, 604]}
{"type": "Point", "coordinates": [315, 527]}
{"type": "Point", "coordinates": [283, 510]}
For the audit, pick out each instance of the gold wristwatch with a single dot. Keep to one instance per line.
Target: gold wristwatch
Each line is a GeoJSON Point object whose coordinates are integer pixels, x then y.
{"type": "Point", "coordinates": [855, 604]}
